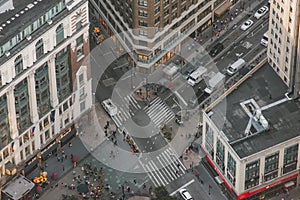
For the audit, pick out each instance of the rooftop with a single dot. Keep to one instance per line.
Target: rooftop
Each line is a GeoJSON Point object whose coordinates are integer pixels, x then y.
{"type": "Point", "coordinates": [25, 12]}
{"type": "Point", "coordinates": [278, 122]}
{"type": "Point", "coordinates": [18, 187]}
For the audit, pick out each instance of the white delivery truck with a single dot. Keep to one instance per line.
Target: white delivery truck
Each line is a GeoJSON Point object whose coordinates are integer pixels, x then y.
{"type": "Point", "coordinates": [196, 76]}
{"type": "Point", "coordinates": [216, 81]}
{"type": "Point", "coordinates": [264, 39]}
{"type": "Point", "coordinates": [236, 66]}
{"type": "Point", "coordinates": [110, 107]}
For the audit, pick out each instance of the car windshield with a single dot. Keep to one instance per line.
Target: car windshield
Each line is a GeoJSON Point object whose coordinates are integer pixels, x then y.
{"type": "Point", "coordinates": [230, 69]}
{"type": "Point", "coordinates": [247, 23]}
{"type": "Point", "coordinates": [191, 78]}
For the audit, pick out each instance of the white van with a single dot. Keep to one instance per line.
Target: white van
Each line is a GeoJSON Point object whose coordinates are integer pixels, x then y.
{"type": "Point", "coordinates": [215, 82]}
{"type": "Point", "coordinates": [110, 107]}
{"type": "Point", "coordinates": [196, 76]}
{"type": "Point", "coordinates": [264, 40]}
{"type": "Point", "coordinates": [236, 66]}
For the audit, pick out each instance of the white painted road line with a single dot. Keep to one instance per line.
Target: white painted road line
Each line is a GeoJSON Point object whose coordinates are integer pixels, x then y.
{"type": "Point", "coordinates": [185, 185]}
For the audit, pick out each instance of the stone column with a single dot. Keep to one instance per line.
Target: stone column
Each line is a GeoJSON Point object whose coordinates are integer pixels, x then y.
{"type": "Point", "coordinates": [34, 116]}
{"type": "Point", "coordinates": [12, 113]}
{"type": "Point", "coordinates": [52, 81]}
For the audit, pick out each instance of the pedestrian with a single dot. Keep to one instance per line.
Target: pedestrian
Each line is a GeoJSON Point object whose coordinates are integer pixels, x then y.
{"type": "Point", "coordinates": [66, 156]}
{"type": "Point", "coordinates": [71, 156]}
{"type": "Point", "coordinates": [115, 143]}
{"type": "Point", "coordinates": [63, 166]}
{"type": "Point", "coordinates": [70, 144]}
{"type": "Point", "coordinates": [144, 185]}
{"type": "Point", "coordinates": [58, 158]}
{"type": "Point", "coordinates": [134, 180]}
{"type": "Point", "coordinates": [128, 189]}
{"type": "Point", "coordinates": [178, 165]}
{"type": "Point", "coordinates": [46, 164]}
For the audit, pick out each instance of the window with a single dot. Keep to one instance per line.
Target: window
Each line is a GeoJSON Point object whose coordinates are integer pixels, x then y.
{"type": "Point", "coordinates": [39, 49]}
{"type": "Point", "coordinates": [174, 6]}
{"type": "Point", "coordinates": [59, 34]}
{"type": "Point", "coordinates": [79, 41]}
{"type": "Point", "coordinates": [81, 79]}
{"type": "Point", "coordinates": [286, 59]}
{"type": "Point", "coordinates": [285, 79]}
{"type": "Point", "coordinates": [82, 106]}
{"type": "Point", "coordinates": [156, 20]}
{"type": "Point", "coordinates": [157, 10]}
{"type": "Point", "coordinates": [143, 23]}
{"type": "Point", "coordinates": [143, 3]}
{"type": "Point", "coordinates": [166, 3]}
{"type": "Point", "coordinates": [78, 24]}
{"type": "Point", "coordinates": [143, 32]}
{"type": "Point", "coordinates": [166, 13]}
{"type": "Point", "coordinates": [80, 52]}
{"type": "Point", "coordinates": [143, 13]}
{"type": "Point", "coordinates": [18, 64]}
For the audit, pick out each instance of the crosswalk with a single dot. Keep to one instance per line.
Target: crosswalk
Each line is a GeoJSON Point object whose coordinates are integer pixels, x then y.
{"type": "Point", "coordinates": [164, 168]}
{"type": "Point", "coordinates": [125, 109]}
{"type": "Point", "coordinates": [159, 112]}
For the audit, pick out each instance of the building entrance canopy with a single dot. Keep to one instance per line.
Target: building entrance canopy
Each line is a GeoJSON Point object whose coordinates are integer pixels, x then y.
{"type": "Point", "coordinates": [222, 9]}
{"type": "Point", "coordinates": [18, 187]}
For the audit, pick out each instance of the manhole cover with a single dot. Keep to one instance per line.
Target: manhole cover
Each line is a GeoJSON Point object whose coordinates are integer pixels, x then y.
{"type": "Point", "coordinates": [185, 158]}
{"type": "Point", "coordinates": [109, 82]}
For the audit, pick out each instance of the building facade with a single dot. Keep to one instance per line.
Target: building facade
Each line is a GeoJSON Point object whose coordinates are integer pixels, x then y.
{"type": "Point", "coordinates": [45, 83]}
{"type": "Point", "coordinates": [252, 141]}
{"type": "Point", "coordinates": [283, 47]}
{"type": "Point", "coordinates": [153, 30]}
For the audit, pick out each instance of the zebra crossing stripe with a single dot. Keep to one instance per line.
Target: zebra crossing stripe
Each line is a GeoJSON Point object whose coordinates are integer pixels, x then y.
{"type": "Point", "coordinates": [125, 113]}
{"type": "Point", "coordinates": [161, 181]}
{"type": "Point", "coordinates": [165, 182]}
{"type": "Point", "coordinates": [130, 102]}
{"type": "Point", "coordinates": [162, 118]}
{"type": "Point", "coordinates": [171, 166]}
{"type": "Point", "coordinates": [152, 177]}
{"type": "Point", "coordinates": [163, 170]}
{"type": "Point", "coordinates": [165, 164]}
{"type": "Point", "coordinates": [154, 109]}
{"type": "Point", "coordinates": [116, 120]}
{"type": "Point", "coordinates": [169, 118]}
{"type": "Point", "coordinates": [182, 166]}
{"type": "Point", "coordinates": [136, 103]}
{"type": "Point", "coordinates": [154, 100]}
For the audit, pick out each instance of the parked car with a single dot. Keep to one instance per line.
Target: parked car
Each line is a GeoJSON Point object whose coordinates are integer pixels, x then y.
{"type": "Point", "coordinates": [187, 72]}
{"type": "Point", "coordinates": [216, 49]}
{"type": "Point", "coordinates": [247, 24]}
{"type": "Point", "coordinates": [261, 12]}
{"type": "Point", "coordinates": [185, 194]}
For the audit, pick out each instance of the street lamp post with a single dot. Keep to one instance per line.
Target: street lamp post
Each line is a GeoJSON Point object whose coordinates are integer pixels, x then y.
{"type": "Point", "coordinates": [123, 193]}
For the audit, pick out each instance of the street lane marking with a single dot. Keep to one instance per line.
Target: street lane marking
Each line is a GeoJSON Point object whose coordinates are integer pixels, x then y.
{"type": "Point", "coordinates": [185, 185]}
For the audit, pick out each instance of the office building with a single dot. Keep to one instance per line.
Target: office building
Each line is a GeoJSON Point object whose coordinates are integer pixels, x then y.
{"type": "Point", "coordinates": [251, 137]}
{"type": "Point", "coordinates": [283, 45]}
{"type": "Point", "coordinates": [153, 30]}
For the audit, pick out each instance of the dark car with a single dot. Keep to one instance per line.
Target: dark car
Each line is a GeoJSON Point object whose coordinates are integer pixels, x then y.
{"type": "Point", "coordinates": [216, 49]}
{"type": "Point", "coordinates": [188, 71]}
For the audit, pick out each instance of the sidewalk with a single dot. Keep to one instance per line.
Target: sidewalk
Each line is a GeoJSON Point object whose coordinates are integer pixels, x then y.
{"type": "Point", "coordinates": [210, 36]}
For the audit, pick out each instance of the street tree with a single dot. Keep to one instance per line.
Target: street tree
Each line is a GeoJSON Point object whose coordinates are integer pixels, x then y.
{"type": "Point", "coordinates": [162, 194]}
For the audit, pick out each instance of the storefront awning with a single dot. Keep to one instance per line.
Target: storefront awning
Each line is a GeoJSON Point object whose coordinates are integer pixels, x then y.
{"type": "Point", "coordinates": [222, 9]}
{"type": "Point", "coordinates": [289, 184]}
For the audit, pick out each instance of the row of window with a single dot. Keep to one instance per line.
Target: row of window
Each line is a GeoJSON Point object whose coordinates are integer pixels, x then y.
{"type": "Point", "coordinates": [33, 27]}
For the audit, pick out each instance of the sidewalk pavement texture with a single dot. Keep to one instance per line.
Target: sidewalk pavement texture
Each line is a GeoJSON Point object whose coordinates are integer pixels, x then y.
{"type": "Point", "coordinates": [82, 145]}
{"type": "Point", "coordinates": [208, 40]}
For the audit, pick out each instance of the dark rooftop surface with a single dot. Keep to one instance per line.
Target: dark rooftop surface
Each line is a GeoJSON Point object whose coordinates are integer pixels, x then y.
{"type": "Point", "coordinates": [25, 16]}
{"type": "Point", "coordinates": [264, 87]}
